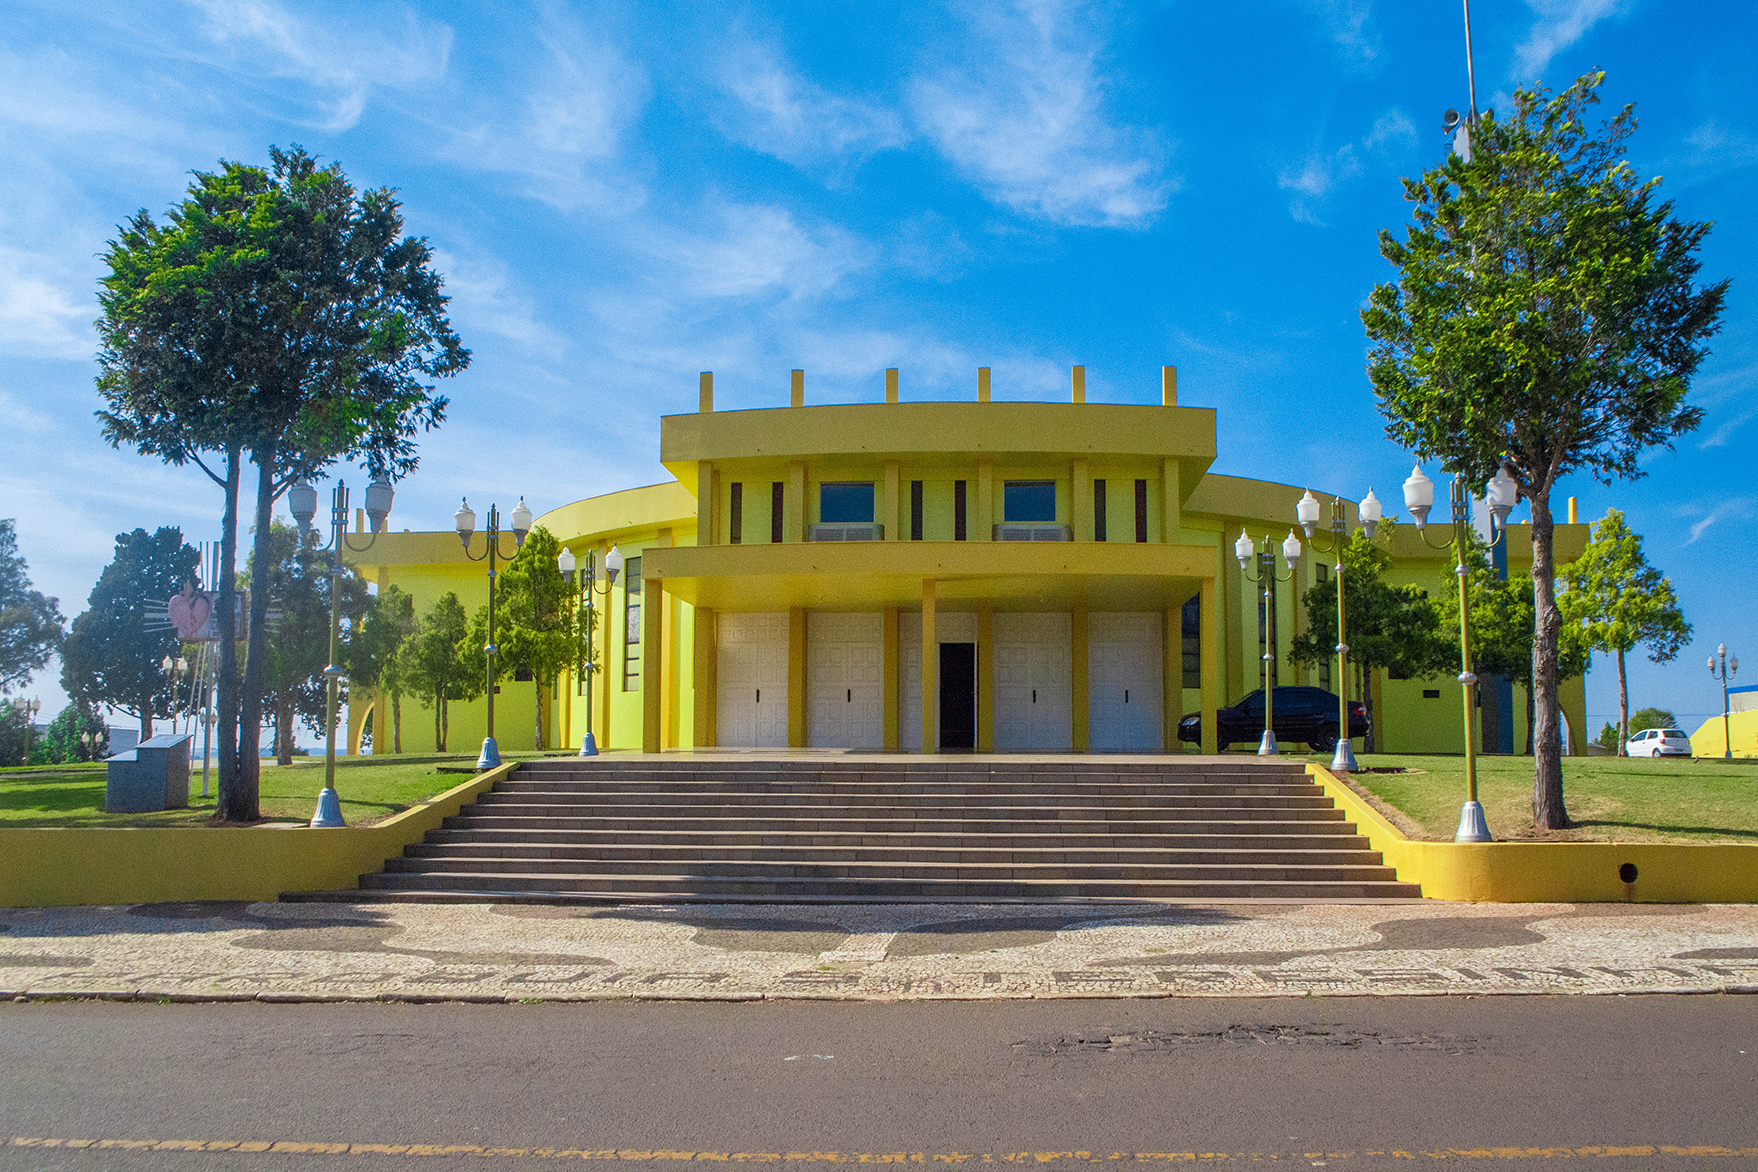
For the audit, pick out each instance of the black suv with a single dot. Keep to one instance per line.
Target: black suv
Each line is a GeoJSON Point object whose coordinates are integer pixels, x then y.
{"type": "Point", "coordinates": [1302, 714]}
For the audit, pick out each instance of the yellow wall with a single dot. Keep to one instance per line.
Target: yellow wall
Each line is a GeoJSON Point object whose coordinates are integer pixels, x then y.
{"type": "Point", "coordinates": [1711, 740]}
{"type": "Point", "coordinates": [55, 867]}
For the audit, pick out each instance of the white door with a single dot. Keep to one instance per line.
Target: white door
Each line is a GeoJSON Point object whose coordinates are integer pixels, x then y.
{"type": "Point", "coordinates": [844, 681]}
{"type": "Point", "coordinates": [1034, 682]}
{"type": "Point", "coordinates": [953, 627]}
{"type": "Point", "coordinates": [1124, 682]}
{"type": "Point", "coordinates": [751, 672]}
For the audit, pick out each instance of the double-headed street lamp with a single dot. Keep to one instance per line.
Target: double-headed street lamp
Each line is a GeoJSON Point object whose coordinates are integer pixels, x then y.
{"type": "Point", "coordinates": [613, 565]}
{"type": "Point", "coordinates": [1307, 512]}
{"type": "Point", "coordinates": [1244, 549]}
{"type": "Point", "coordinates": [1501, 493]}
{"type": "Point", "coordinates": [1730, 666]}
{"type": "Point", "coordinates": [466, 523]}
{"type": "Point", "coordinates": [174, 668]}
{"type": "Point", "coordinates": [302, 502]}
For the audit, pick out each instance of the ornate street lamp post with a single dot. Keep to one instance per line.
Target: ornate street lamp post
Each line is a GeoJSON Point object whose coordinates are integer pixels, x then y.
{"type": "Point", "coordinates": [1243, 549]}
{"type": "Point", "coordinates": [174, 668]}
{"type": "Point", "coordinates": [1730, 666]}
{"type": "Point", "coordinates": [302, 502]}
{"type": "Point", "coordinates": [466, 522]}
{"type": "Point", "coordinates": [613, 565]}
{"type": "Point", "coordinates": [1419, 498]}
{"type": "Point", "coordinates": [1307, 512]}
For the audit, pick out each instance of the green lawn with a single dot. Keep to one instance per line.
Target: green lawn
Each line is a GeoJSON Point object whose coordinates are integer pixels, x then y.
{"type": "Point", "coordinates": [370, 789]}
{"type": "Point", "coordinates": [1610, 798]}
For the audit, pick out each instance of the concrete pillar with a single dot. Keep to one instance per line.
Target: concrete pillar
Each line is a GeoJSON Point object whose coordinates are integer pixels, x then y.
{"type": "Point", "coordinates": [890, 691]}
{"type": "Point", "coordinates": [891, 384]}
{"type": "Point", "coordinates": [985, 679]}
{"type": "Point", "coordinates": [1171, 678]}
{"type": "Point", "coordinates": [796, 677]}
{"type": "Point", "coordinates": [1080, 501]}
{"type": "Point", "coordinates": [793, 503]}
{"type": "Point", "coordinates": [608, 667]}
{"type": "Point", "coordinates": [982, 384]}
{"type": "Point", "coordinates": [705, 393]}
{"type": "Point", "coordinates": [981, 527]}
{"type": "Point", "coordinates": [1170, 517]}
{"type": "Point", "coordinates": [1169, 386]}
{"type": "Point", "coordinates": [1209, 640]}
{"type": "Point", "coordinates": [888, 513]}
{"type": "Point", "coordinates": [930, 672]}
{"type": "Point", "coordinates": [704, 665]}
{"type": "Point", "coordinates": [1078, 383]}
{"type": "Point", "coordinates": [1078, 663]}
{"type": "Point", "coordinates": [652, 659]}
{"type": "Point", "coordinates": [798, 395]}
{"type": "Point", "coordinates": [708, 508]}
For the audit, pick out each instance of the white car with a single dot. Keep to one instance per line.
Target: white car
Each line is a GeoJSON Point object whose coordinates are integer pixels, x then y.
{"type": "Point", "coordinates": [1659, 742]}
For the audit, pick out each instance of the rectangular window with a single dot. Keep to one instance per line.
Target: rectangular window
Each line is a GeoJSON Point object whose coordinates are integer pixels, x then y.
{"type": "Point", "coordinates": [632, 625]}
{"type": "Point", "coordinates": [915, 510]}
{"type": "Point", "coordinates": [736, 519]}
{"type": "Point", "coordinates": [958, 510]}
{"type": "Point", "coordinates": [849, 503]}
{"type": "Point", "coordinates": [777, 499]}
{"type": "Point", "coordinates": [1324, 671]}
{"type": "Point", "coordinates": [1190, 624]}
{"type": "Point", "coordinates": [1028, 500]}
{"type": "Point", "coordinates": [1098, 510]}
{"type": "Point", "coordinates": [1141, 510]}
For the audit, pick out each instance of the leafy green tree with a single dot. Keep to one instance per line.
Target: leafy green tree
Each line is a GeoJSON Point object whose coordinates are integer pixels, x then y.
{"type": "Point", "coordinates": [1386, 626]}
{"type": "Point", "coordinates": [1608, 737]}
{"type": "Point", "coordinates": [17, 737]}
{"type": "Point", "coordinates": [436, 661]}
{"type": "Point", "coordinates": [1647, 718]}
{"type": "Point", "coordinates": [30, 622]}
{"type": "Point", "coordinates": [279, 316]}
{"type": "Point", "coordinates": [1617, 601]}
{"type": "Point", "coordinates": [1546, 316]}
{"type": "Point", "coordinates": [375, 660]}
{"type": "Point", "coordinates": [537, 634]}
{"type": "Point", "coordinates": [76, 734]}
{"type": "Point", "coordinates": [113, 651]}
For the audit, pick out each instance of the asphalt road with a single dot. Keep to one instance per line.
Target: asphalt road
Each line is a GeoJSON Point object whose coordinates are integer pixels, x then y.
{"type": "Point", "coordinates": [1351, 1082]}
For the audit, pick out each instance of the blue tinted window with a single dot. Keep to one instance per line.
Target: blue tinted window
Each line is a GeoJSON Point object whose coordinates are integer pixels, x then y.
{"type": "Point", "coordinates": [845, 504]}
{"type": "Point", "coordinates": [1029, 500]}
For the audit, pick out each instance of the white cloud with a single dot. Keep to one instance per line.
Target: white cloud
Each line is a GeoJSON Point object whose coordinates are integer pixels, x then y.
{"type": "Point", "coordinates": [1024, 117]}
{"type": "Point", "coordinates": [1736, 508]}
{"type": "Point", "coordinates": [1391, 130]}
{"type": "Point", "coordinates": [781, 113]}
{"type": "Point", "coordinates": [758, 251]}
{"type": "Point", "coordinates": [39, 316]}
{"type": "Point", "coordinates": [1559, 24]}
{"type": "Point", "coordinates": [485, 296]}
{"type": "Point", "coordinates": [1312, 179]}
{"type": "Point", "coordinates": [1347, 24]}
{"type": "Point", "coordinates": [338, 55]}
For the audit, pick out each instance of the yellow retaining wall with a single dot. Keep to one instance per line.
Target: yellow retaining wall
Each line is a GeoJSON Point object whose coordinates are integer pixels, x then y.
{"type": "Point", "coordinates": [53, 867]}
{"type": "Point", "coordinates": [1555, 872]}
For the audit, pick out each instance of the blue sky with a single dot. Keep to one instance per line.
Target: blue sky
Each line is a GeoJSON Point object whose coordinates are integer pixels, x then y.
{"type": "Point", "coordinates": [624, 194]}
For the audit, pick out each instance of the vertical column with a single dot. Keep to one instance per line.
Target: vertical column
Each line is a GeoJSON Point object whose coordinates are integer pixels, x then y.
{"type": "Point", "coordinates": [1238, 609]}
{"type": "Point", "coordinates": [1169, 510]}
{"type": "Point", "coordinates": [705, 393]}
{"type": "Point", "coordinates": [668, 671]}
{"type": "Point", "coordinates": [1171, 678]}
{"type": "Point", "coordinates": [930, 672]}
{"type": "Point", "coordinates": [985, 679]}
{"type": "Point", "coordinates": [602, 609]}
{"type": "Point", "coordinates": [1079, 384]}
{"type": "Point", "coordinates": [1080, 501]}
{"type": "Point", "coordinates": [708, 508]}
{"type": "Point", "coordinates": [797, 398]}
{"type": "Point", "coordinates": [652, 683]}
{"type": "Point", "coordinates": [1078, 663]}
{"type": "Point", "coordinates": [1169, 386]}
{"type": "Point", "coordinates": [793, 503]}
{"type": "Point", "coordinates": [890, 695]}
{"type": "Point", "coordinates": [1209, 643]}
{"type": "Point", "coordinates": [982, 384]}
{"type": "Point", "coordinates": [893, 471]}
{"type": "Point", "coordinates": [796, 677]}
{"type": "Point", "coordinates": [703, 675]}
{"type": "Point", "coordinates": [563, 687]}
{"type": "Point", "coordinates": [891, 384]}
{"type": "Point", "coordinates": [985, 519]}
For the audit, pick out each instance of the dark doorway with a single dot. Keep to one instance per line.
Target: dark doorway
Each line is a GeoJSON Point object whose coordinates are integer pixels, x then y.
{"type": "Point", "coordinates": [958, 695]}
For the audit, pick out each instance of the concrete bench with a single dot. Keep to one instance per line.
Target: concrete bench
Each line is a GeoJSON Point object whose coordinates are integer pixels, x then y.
{"type": "Point", "coordinates": [154, 775]}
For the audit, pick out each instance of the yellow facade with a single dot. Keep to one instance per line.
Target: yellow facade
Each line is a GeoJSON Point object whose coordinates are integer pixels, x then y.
{"type": "Point", "coordinates": [747, 584]}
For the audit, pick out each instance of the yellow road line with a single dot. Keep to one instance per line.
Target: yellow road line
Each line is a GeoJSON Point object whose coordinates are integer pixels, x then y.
{"type": "Point", "coordinates": [674, 1154]}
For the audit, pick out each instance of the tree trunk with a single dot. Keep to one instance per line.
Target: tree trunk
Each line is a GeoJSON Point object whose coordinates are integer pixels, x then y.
{"type": "Point", "coordinates": [233, 803]}
{"type": "Point", "coordinates": [146, 718]}
{"type": "Point", "coordinates": [397, 722]}
{"type": "Point", "coordinates": [1531, 716]}
{"type": "Point", "coordinates": [1547, 760]}
{"type": "Point", "coordinates": [256, 651]}
{"type": "Point", "coordinates": [537, 688]}
{"type": "Point", "coordinates": [439, 720]}
{"type": "Point", "coordinates": [1623, 709]}
{"type": "Point", "coordinates": [284, 732]}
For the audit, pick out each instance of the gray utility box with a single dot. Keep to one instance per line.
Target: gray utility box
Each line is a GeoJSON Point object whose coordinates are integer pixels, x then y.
{"type": "Point", "coordinates": [154, 775]}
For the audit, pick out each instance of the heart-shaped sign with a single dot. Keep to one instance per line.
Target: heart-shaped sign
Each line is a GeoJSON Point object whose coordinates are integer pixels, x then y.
{"type": "Point", "coordinates": [188, 612]}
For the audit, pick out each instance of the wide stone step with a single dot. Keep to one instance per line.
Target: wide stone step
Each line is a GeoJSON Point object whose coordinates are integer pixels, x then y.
{"type": "Point", "coordinates": [1317, 837]}
{"type": "Point", "coordinates": [433, 854]}
{"type": "Point", "coordinates": [695, 888]}
{"type": "Point", "coordinates": [911, 810]}
{"type": "Point", "coordinates": [1142, 821]}
{"type": "Point", "coordinates": [892, 795]}
{"type": "Point", "coordinates": [914, 767]}
{"type": "Point", "coordinates": [971, 872]}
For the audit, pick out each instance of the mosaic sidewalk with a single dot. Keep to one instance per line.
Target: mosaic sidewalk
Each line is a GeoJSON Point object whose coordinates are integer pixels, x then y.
{"type": "Point", "coordinates": [418, 952]}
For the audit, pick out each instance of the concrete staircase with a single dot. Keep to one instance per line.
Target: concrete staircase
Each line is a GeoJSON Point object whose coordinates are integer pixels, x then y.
{"type": "Point", "coordinates": [831, 830]}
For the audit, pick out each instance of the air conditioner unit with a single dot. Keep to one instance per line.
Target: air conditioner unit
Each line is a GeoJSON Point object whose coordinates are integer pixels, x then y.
{"type": "Point", "coordinates": [1032, 531]}
{"type": "Point", "coordinates": [866, 531]}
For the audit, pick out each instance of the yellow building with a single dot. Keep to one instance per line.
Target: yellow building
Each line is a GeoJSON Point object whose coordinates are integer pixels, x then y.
{"type": "Point", "coordinates": [1001, 576]}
